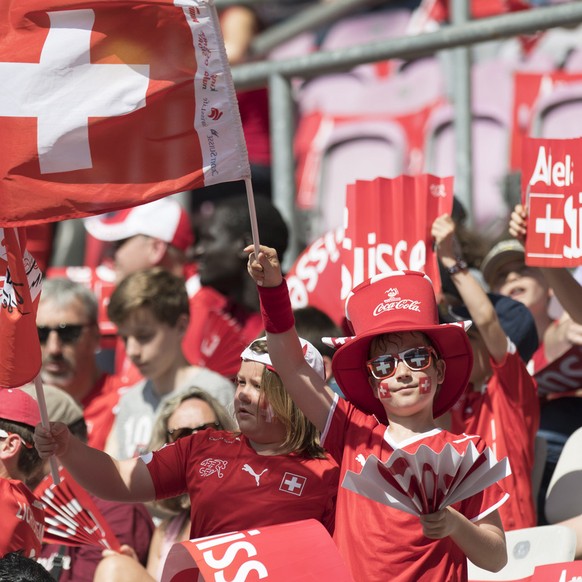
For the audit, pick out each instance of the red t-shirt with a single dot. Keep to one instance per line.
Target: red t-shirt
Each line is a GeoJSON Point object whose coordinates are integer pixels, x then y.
{"type": "Point", "coordinates": [231, 487]}
{"type": "Point", "coordinates": [98, 408]}
{"type": "Point", "coordinates": [507, 415]}
{"type": "Point", "coordinates": [218, 332]}
{"type": "Point", "coordinates": [379, 542]}
{"type": "Point", "coordinates": [22, 522]}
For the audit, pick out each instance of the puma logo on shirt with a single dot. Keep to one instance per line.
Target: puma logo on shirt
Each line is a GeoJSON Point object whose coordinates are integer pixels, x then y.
{"type": "Point", "coordinates": [250, 470]}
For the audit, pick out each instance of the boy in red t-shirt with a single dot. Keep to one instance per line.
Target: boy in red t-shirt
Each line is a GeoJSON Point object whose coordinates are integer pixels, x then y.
{"type": "Point", "coordinates": [402, 369]}
{"type": "Point", "coordinates": [501, 404]}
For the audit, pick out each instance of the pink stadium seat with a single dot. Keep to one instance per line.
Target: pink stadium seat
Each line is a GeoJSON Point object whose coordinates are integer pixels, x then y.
{"type": "Point", "coordinates": [355, 151]}
{"type": "Point", "coordinates": [490, 163]}
{"type": "Point", "coordinates": [559, 114]}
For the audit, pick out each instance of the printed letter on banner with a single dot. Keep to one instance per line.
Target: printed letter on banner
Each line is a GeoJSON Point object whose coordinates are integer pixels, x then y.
{"type": "Point", "coordinates": [552, 192]}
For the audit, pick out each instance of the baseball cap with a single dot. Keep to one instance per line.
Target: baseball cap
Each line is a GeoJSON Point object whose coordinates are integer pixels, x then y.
{"type": "Point", "coordinates": [18, 406]}
{"type": "Point", "coordinates": [516, 320]}
{"type": "Point", "coordinates": [164, 219]}
{"type": "Point", "coordinates": [60, 405]}
{"type": "Point", "coordinates": [500, 254]}
{"type": "Point", "coordinates": [310, 353]}
{"type": "Point", "coordinates": [396, 302]}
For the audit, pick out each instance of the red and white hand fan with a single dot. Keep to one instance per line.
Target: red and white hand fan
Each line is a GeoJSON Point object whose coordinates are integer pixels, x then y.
{"type": "Point", "coordinates": [71, 516]}
{"type": "Point", "coordinates": [425, 481]}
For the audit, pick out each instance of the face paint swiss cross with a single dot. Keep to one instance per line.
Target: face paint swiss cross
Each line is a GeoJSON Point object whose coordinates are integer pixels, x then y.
{"type": "Point", "coordinates": [424, 385]}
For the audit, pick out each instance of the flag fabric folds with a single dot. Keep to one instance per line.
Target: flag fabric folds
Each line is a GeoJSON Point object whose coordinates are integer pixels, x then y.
{"type": "Point", "coordinates": [20, 284]}
{"type": "Point", "coordinates": [107, 105]}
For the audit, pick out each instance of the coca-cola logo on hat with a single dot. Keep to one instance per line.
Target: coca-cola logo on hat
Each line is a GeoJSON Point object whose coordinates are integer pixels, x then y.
{"type": "Point", "coordinates": [394, 302]}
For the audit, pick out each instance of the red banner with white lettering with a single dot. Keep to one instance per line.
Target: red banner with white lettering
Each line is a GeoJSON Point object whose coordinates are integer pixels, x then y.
{"type": "Point", "coordinates": [563, 375]}
{"type": "Point", "coordinates": [302, 550]}
{"type": "Point", "coordinates": [110, 104]}
{"type": "Point", "coordinates": [20, 284]}
{"type": "Point", "coordinates": [388, 225]}
{"type": "Point", "coordinates": [551, 189]}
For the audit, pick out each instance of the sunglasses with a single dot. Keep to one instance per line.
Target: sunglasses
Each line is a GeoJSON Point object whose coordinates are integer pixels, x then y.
{"type": "Point", "coordinates": [416, 359]}
{"type": "Point", "coordinates": [68, 333]}
{"type": "Point", "coordinates": [5, 435]}
{"type": "Point", "coordinates": [179, 433]}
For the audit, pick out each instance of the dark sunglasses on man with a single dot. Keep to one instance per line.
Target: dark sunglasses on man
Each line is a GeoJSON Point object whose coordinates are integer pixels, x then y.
{"type": "Point", "coordinates": [68, 333]}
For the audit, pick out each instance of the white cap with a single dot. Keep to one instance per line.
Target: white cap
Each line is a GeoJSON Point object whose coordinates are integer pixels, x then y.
{"type": "Point", "coordinates": [164, 219]}
{"type": "Point", "coordinates": [310, 353]}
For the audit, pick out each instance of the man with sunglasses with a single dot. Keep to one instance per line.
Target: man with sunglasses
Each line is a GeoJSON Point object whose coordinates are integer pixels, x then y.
{"type": "Point", "coordinates": [69, 337]}
{"type": "Point", "coordinates": [22, 513]}
{"type": "Point", "coordinates": [400, 371]}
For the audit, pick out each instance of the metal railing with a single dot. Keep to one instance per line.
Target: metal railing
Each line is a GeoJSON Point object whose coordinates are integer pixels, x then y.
{"type": "Point", "coordinates": [277, 76]}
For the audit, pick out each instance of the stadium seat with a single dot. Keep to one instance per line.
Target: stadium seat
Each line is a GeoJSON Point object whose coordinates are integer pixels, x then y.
{"type": "Point", "coordinates": [359, 150]}
{"type": "Point", "coordinates": [558, 114]}
{"type": "Point", "coordinates": [528, 548]}
{"type": "Point", "coordinates": [564, 494]}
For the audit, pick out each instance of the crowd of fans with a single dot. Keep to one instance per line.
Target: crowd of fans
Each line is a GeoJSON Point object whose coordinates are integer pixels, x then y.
{"type": "Point", "coordinates": [184, 363]}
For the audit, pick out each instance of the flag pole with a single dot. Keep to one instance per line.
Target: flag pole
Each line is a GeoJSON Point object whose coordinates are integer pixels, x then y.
{"type": "Point", "coordinates": [253, 215]}
{"type": "Point", "coordinates": [46, 424]}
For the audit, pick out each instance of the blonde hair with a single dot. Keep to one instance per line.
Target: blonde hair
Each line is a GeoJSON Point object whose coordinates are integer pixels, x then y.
{"type": "Point", "coordinates": [301, 436]}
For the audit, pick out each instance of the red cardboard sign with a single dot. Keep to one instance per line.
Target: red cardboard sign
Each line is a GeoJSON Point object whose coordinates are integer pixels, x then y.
{"type": "Point", "coordinates": [561, 572]}
{"type": "Point", "coordinates": [302, 550]}
{"type": "Point", "coordinates": [551, 190]}
{"type": "Point", "coordinates": [562, 375]}
{"type": "Point", "coordinates": [388, 229]}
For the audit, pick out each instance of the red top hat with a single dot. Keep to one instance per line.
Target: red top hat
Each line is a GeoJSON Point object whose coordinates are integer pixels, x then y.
{"type": "Point", "coordinates": [394, 302]}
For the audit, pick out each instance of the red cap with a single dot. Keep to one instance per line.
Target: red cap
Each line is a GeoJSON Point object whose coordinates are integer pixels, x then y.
{"type": "Point", "coordinates": [18, 406]}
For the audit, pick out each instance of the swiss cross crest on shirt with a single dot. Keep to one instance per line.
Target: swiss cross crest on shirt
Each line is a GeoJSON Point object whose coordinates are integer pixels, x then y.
{"type": "Point", "coordinates": [292, 483]}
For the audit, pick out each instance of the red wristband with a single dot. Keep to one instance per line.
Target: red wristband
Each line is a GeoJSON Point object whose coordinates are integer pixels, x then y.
{"type": "Point", "coordinates": [276, 308]}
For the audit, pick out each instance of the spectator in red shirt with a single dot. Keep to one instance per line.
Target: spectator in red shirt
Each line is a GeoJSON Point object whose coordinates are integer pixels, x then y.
{"type": "Point", "coordinates": [131, 523]}
{"type": "Point", "coordinates": [22, 513]}
{"type": "Point", "coordinates": [501, 402]}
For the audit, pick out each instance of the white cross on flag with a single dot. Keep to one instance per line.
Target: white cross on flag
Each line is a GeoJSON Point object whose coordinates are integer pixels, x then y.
{"type": "Point", "coordinates": [106, 105]}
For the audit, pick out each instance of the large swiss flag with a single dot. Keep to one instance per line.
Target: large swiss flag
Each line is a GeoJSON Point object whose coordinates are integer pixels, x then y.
{"type": "Point", "coordinates": [110, 104]}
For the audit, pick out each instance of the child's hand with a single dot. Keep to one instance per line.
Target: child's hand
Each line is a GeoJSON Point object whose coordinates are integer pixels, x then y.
{"type": "Point", "coordinates": [53, 441]}
{"type": "Point", "coordinates": [443, 232]}
{"type": "Point", "coordinates": [438, 525]}
{"type": "Point", "coordinates": [264, 269]}
{"type": "Point", "coordinates": [518, 223]}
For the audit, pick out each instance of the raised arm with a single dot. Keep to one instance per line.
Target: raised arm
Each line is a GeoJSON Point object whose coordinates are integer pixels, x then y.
{"type": "Point", "coordinates": [93, 469]}
{"type": "Point", "coordinates": [474, 297]}
{"type": "Point", "coordinates": [563, 284]}
{"type": "Point", "coordinates": [302, 383]}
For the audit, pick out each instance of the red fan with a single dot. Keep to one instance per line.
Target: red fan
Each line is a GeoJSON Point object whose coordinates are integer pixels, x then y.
{"type": "Point", "coordinates": [425, 481]}
{"type": "Point", "coordinates": [71, 516]}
